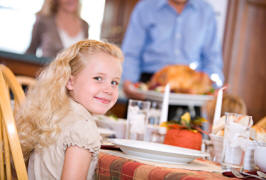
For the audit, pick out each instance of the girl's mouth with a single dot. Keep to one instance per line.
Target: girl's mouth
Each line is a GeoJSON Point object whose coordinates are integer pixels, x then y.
{"type": "Point", "coordinates": [103, 100]}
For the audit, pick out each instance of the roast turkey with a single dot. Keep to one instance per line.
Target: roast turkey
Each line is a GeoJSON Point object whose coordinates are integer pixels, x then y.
{"type": "Point", "coordinates": [182, 79]}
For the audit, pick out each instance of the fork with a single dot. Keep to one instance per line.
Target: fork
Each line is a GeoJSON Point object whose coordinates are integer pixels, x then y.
{"type": "Point", "coordinates": [251, 175]}
{"type": "Point", "coordinates": [237, 174]}
{"type": "Point", "coordinates": [243, 174]}
{"type": "Point", "coordinates": [261, 174]}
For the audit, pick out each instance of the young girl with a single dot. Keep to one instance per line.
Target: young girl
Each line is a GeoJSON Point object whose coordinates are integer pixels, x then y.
{"type": "Point", "coordinates": [56, 125]}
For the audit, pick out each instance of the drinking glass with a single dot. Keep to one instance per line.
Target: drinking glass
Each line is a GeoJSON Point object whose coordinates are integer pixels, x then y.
{"type": "Point", "coordinates": [137, 119]}
{"type": "Point", "coordinates": [216, 152]}
{"type": "Point", "coordinates": [154, 132]}
{"type": "Point", "coordinates": [236, 135]}
{"type": "Point", "coordinates": [155, 113]}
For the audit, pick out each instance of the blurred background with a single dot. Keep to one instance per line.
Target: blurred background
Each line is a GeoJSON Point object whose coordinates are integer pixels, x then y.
{"type": "Point", "coordinates": [241, 29]}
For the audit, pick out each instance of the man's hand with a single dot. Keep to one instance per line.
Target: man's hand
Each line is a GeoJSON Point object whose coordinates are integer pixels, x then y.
{"type": "Point", "coordinates": [131, 91]}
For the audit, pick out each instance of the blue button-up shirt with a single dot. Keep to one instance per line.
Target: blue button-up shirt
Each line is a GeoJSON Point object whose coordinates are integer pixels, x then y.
{"type": "Point", "coordinates": [158, 36]}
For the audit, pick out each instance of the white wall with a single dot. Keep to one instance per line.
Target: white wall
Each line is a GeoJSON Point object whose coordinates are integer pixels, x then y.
{"type": "Point", "coordinates": [220, 8]}
{"type": "Point", "coordinates": [93, 11]}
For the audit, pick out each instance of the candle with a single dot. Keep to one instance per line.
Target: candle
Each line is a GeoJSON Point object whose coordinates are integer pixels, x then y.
{"type": "Point", "coordinates": [218, 108]}
{"type": "Point", "coordinates": [164, 112]}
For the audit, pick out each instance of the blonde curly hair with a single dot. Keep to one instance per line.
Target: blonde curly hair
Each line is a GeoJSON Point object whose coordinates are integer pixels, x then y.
{"type": "Point", "coordinates": [48, 101]}
{"type": "Point", "coordinates": [50, 7]}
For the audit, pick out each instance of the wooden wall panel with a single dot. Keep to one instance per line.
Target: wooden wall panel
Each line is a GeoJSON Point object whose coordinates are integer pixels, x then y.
{"type": "Point", "coordinates": [116, 17]}
{"type": "Point", "coordinates": [22, 67]}
{"type": "Point", "coordinates": [245, 53]}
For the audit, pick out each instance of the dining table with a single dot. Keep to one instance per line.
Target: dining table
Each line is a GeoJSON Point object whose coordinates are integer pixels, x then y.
{"type": "Point", "coordinates": [115, 165]}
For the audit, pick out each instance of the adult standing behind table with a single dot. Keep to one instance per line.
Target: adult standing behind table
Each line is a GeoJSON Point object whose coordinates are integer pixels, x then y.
{"type": "Point", "coordinates": [58, 25]}
{"type": "Point", "coordinates": [165, 32]}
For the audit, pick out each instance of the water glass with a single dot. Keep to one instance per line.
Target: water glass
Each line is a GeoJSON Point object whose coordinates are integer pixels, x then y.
{"type": "Point", "coordinates": [236, 135]}
{"type": "Point", "coordinates": [155, 113]}
{"type": "Point", "coordinates": [216, 153]}
{"type": "Point", "coordinates": [154, 132]}
{"type": "Point", "coordinates": [137, 119]}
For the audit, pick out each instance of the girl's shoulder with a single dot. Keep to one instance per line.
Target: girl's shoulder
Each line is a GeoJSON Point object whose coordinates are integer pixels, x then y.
{"type": "Point", "coordinates": [79, 126]}
{"type": "Point", "coordinates": [83, 133]}
{"type": "Point", "coordinates": [80, 123]}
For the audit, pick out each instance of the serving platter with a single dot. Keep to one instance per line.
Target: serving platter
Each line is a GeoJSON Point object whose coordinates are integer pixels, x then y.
{"type": "Point", "coordinates": [177, 98]}
{"type": "Point", "coordinates": [157, 152]}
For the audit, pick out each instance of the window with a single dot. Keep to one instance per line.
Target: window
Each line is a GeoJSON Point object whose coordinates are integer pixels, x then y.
{"type": "Point", "coordinates": [15, 33]}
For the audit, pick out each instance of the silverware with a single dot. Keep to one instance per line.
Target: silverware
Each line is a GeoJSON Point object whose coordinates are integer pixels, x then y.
{"type": "Point", "coordinates": [261, 174]}
{"type": "Point", "coordinates": [243, 174]}
{"type": "Point", "coordinates": [251, 175]}
{"type": "Point", "coordinates": [237, 174]}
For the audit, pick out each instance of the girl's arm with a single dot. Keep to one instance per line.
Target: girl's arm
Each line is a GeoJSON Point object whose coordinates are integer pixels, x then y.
{"type": "Point", "coordinates": [76, 163]}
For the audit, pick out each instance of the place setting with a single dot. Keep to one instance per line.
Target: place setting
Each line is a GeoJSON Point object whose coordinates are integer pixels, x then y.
{"type": "Point", "coordinates": [238, 147]}
{"type": "Point", "coordinates": [145, 141]}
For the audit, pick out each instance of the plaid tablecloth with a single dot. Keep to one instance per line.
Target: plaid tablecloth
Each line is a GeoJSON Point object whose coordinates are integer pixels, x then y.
{"type": "Point", "coordinates": [115, 167]}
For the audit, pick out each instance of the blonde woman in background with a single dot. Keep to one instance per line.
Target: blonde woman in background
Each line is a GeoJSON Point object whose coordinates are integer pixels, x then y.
{"type": "Point", "coordinates": [58, 25]}
{"type": "Point", "coordinates": [56, 124]}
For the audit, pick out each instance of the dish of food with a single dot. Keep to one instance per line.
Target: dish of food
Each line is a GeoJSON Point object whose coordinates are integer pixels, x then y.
{"type": "Point", "coordinates": [177, 98]}
{"type": "Point", "coordinates": [182, 79]}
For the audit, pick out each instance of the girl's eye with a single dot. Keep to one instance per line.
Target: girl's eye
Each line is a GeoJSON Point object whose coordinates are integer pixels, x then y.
{"type": "Point", "coordinates": [98, 78]}
{"type": "Point", "coordinates": [115, 83]}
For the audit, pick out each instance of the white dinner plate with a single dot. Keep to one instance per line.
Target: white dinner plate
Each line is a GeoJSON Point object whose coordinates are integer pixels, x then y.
{"type": "Point", "coordinates": [157, 152]}
{"type": "Point", "coordinates": [178, 98]}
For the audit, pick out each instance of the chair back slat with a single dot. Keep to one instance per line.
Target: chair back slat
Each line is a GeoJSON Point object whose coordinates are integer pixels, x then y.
{"type": "Point", "coordinates": [25, 80]}
{"type": "Point", "coordinates": [2, 169]}
{"type": "Point", "coordinates": [7, 154]}
{"type": "Point", "coordinates": [9, 130]}
{"type": "Point", "coordinates": [12, 83]}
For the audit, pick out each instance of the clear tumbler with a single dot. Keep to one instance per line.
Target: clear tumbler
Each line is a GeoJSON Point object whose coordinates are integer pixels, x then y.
{"type": "Point", "coordinates": [236, 136]}
{"type": "Point", "coordinates": [137, 119]}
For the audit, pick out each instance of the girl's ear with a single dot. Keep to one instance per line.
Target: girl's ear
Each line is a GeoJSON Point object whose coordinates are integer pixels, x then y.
{"type": "Point", "coordinates": [70, 82]}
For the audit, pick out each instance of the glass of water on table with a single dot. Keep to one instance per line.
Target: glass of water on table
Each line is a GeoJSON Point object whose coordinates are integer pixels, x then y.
{"type": "Point", "coordinates": [236, 136]}
{"type": "Point", "coordinates": [137, 119]}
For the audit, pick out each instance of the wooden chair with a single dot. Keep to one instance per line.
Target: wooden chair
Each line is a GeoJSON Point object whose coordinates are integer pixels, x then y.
{"type": "Point", "coordinates": [10, 149]}
{"type": "Point", "coordinates": [12, 83]}
{"type": "Point", "coordinates": [25, 80]}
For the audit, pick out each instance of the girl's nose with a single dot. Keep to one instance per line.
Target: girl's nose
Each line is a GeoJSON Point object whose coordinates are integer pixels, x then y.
{"type": "Point", "coordinates": [108, 88]}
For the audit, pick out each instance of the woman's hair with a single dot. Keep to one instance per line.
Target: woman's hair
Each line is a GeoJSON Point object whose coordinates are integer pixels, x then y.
{"type": "Point", "coordinates": [230, 103]}
{"type": "Point", "coordinates": [47, 101]}
{"type": "Point", "coordinates": [50, 7]}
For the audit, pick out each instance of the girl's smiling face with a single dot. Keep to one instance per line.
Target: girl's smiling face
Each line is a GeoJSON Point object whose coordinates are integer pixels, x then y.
{"type": "Point", "coordinates": [96, 86]}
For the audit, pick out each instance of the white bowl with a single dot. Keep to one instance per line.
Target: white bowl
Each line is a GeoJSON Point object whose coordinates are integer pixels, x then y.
{"type": "Point", "coordinates": [260, 157]}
